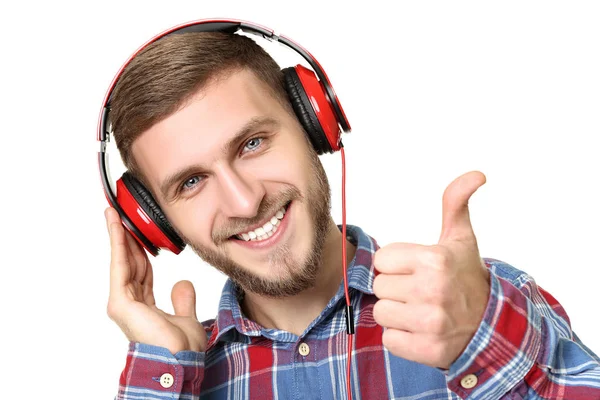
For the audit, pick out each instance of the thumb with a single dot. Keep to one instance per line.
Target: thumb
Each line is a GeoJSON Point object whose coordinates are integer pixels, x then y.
{"type": "Point", "coordinates": [183, 297]}
{"type": "Point", "coordinates": [456, 221]}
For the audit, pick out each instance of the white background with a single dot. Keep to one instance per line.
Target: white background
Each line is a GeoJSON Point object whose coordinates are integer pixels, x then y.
{"type": "Point", "coordinates": [432, 89]}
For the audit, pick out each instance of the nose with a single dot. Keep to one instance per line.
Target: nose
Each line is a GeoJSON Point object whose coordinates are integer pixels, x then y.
{"type": "Point", "coordinates": [239, 196]}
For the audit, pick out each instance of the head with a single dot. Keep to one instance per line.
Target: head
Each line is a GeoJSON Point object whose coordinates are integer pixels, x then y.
{"type": "Point", "coordinates": [204, 121]}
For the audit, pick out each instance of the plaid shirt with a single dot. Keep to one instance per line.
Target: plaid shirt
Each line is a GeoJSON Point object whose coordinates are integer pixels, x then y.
{"type": "Point", "coordinates": [524, 348]}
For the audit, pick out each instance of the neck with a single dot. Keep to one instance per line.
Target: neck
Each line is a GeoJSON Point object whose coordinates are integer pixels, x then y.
{"type": "Point", "coordinates": [294, 313]}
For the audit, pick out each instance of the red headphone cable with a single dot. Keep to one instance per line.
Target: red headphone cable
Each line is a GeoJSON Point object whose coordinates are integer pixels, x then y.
{"type": "Point", "coordinates": [349, 311]}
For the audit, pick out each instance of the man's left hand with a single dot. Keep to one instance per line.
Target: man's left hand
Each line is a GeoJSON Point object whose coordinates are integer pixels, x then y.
{"type": "Point", "coordinates": [432, 298]}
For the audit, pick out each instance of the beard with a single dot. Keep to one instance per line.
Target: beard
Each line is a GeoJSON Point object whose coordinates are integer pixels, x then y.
{"type": "Point", "coordinates": [289, 275]}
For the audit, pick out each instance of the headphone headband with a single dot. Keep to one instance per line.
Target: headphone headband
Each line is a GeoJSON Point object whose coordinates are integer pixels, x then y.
{"type": "Point", "coordinates": [229, 26]}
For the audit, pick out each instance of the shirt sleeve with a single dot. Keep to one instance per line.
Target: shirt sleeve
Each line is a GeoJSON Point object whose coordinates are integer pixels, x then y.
{"type": "Point", "coordinates": [153, 372]}
{"type": "Point", "coordinates": [524, 347]}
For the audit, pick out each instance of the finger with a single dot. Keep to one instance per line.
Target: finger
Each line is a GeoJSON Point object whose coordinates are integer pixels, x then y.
{"type": "Point", "coordinates": [111, 215]}
{"type": "Point", "coordinates": [183, 297]}
{"type": "Point", "coordinates": [417, 318]}
{"type": "Point", "coordinates": [139, 267]}
{"type": "Point", "coordinates": [193, 329]}
{"type": "Point", "coordinates": [119, 262]}
{"type": "Point", "coordinates": [141, 271]}
{"type": "Point", "coordinates": [456, 221]}
{"type": "Point", "coordinates": [399, 258]}
{"type": "Point", "coordinates": [149, 299]}
{"type": "Point", "coordinates": [413, 346]}
{"type": "Point", "coordinates": [149, 277]}
{"type": "Point", "coordinates": [394, 287]}
{"type": "Point", "coordinates": [148, 283]}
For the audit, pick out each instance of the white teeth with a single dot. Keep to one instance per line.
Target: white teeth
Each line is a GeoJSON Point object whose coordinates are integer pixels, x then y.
{"type": "Point", "coordinates": [268, 226]}
{"type": "Point", "coordinates": [266, 230]}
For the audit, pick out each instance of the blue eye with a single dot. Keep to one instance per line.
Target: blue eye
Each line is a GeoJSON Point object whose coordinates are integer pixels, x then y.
{"type": "Point", "coordinates": [253, 143]}
{"type": "Point", "coordinates": [190, 183]}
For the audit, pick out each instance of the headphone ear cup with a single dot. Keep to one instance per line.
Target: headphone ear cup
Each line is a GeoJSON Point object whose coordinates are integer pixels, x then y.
{"type": "Point", "coordinates": [170, 239]}
{"type": "Point", "coordinates": [312, 108]}
{"type": "Point", "coordinates": [304, 111]}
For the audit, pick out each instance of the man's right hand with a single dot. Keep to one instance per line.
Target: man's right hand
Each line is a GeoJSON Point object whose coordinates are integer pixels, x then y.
{"type": "Point", "coordinates": [131, 301]}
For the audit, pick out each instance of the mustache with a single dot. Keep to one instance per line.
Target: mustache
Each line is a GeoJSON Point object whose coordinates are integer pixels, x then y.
{"type": "Point", "coordinates": [267, 207]}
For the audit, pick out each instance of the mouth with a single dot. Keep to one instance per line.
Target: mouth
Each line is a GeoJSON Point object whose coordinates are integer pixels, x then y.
{"type": "Point", "coordinates": [266, 230]}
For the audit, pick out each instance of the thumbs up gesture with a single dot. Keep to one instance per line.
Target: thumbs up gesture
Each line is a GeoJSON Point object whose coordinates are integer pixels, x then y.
{"type": "Point", "coordinates": [432, 298]}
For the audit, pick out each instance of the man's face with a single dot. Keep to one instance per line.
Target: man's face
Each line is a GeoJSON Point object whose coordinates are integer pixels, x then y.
{"type": "Point", "coordinates": [230, 161]}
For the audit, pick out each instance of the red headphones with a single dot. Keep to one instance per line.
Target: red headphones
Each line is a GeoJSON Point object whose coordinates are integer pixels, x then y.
{"type": "Point", "coordinates": [311, 95]}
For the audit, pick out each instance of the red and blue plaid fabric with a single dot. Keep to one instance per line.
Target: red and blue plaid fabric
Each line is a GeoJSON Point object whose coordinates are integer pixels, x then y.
{"type": "Point", "coordinates": [524, 348]}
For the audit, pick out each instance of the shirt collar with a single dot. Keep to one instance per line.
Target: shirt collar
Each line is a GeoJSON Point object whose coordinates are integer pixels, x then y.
{"type": "Point", "coordinates": [361, 273]}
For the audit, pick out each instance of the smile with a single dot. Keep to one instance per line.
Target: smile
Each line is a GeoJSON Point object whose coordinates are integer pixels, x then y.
{"type": "Point", "coordinates": [266, 230]}
{"type": "Point", "coordinates": [273, 234]}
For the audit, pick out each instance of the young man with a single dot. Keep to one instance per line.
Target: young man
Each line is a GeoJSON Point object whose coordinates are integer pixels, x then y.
{"type": "Point", "coordinates": [204, 122]}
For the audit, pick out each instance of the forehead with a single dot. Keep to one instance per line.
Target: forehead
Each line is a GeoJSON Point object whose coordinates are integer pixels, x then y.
{"type": "Point", "coordinates": [195, 133]}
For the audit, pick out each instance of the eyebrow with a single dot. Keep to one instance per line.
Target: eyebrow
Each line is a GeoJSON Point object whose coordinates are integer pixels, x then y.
{"type": "Point", "coordinates": [252, 125]}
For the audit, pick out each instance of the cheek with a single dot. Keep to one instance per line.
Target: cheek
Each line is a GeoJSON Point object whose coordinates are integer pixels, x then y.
{"type": "Point", "coordinates": [193, 220]}
{"type": "Point", "coordinates": [280, 166]}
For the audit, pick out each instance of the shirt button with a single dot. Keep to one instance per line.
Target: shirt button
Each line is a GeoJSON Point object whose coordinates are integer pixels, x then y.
{"type": "Point", "coordinates": [166, 380]}
{"type": "Point", "coordinates": [304, 349]}
{"type": "Point", "coordinates": [468, 381]}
